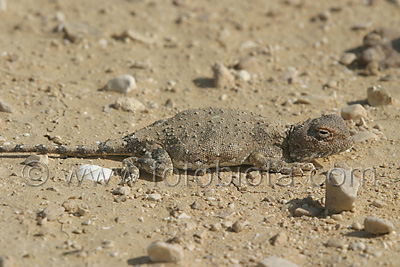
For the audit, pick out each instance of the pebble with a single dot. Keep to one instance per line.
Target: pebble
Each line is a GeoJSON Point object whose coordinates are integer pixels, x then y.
{"type": "Point", "coordinates": [378, 226]}
{"type": "Point", "coordinates": [69, 205]}
{"type": "Point", "coordinates": [76, 32]}
{"type": "Point", "coordinates": [290, 75]}
{"type": "Point", "coordinates": [363, 136]}
{"type": "Point", "coordinates": [3, 7]}
{"type": "Point", "coordinates": [336, 243]}
{"type": "Point", "coordinates": [82, 210]}
{"type": "Point", "coordinates": [357, 246]}
{"type": "Point", "coordinates": [347, 58]}
{"type": "Point", "coordinates": [129, 104]}
{"type": "Point", "coordinates": [356, 226]}
{"type": "Point", "coordinates": [136, 36]}
{"type": "Point", "coordinates": [163, 252]}
{"type": "Point", "coordinates": [377, 96]}
{"type": "Point", "coordinates": [122, 84]}
{"type": "Point", "coordinates": [316, 99]}
{"type": "Point", "coordinates": [337, 217]}
{"type": "Point", "coordinates": [216, 227]}
{"type": "Point", "coordinates": [341, 190]}
{"type": "Point", "coordinates": [247, 63]}
{"type": "Point", "coordinates": [53, 212]}
{"type": "Point", "coordinates": [280, 238]}
{"type": "Point", "coordinates": [5, 107]}
{"type": "Point", "coordinates": [237, 227]}
{"type": "Point", "coordinates": [353, 112]}
{"type": "Point", "coordinates": [243, 75]}
{"type": "Point", "coordinates": [306, 210]}
{"type": "Point", "coordinates": [154, 197]}
{"type": "Point", "coordinates": [378, 203]}
{"type": "Point", "coordinates": [223, 78]}
{"type": "Point", "coordinates": [372, 69]}
{"type": "Point", "coordinates": [36, 160]}
{"type": "Point", "coordinates": [122, 190]}
{"type": "Point", "coordinates": [275, 262]}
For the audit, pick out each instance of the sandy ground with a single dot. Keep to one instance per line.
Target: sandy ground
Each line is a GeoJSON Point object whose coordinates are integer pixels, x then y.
{"type": "Point", "coordinates": [52, 85]}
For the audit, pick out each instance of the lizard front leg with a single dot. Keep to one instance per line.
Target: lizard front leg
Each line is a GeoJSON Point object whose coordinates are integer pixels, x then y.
{"type": "Point", "coordinates": [155, 161]}
{"type": "Point", "coordinates": [270, 164]}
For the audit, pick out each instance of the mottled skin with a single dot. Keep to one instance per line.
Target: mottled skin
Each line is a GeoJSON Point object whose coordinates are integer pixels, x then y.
{"type": "Point", "coordinates": [210, 137]}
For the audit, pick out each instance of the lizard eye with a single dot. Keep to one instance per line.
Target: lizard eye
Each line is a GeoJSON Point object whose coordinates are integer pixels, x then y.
{"type": "Point", "coordinates": [323, 133]}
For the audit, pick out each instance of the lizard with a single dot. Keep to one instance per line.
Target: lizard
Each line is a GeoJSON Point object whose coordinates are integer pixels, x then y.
{"type": "Point", "coordinates": [211, 137]}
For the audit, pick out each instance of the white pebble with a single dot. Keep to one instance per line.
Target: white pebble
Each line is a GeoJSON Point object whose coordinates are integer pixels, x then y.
{"type": "Point", "coordinates": [347, 58]}
{"type": "Point", "coordinates": [377, 96]}
{"type": "Point", "coordinates": [275, 261]}
{"type": "Point", "coordinates": [129, 104]}
{"type": "Point", "coordinates": [363, 136]}
{"type": "Point", "coordinates": [378, 226]}
{"type": "Point", "coordinates": [353, 112]}
{"type": "Point", "coordinates": [341, 190]}
{"type": "Point", "coordinates": [122, 84]}
{"type": "Point", "coordinates": [154, 197]}
{"type": "Point", "coordinates": [243, 75]}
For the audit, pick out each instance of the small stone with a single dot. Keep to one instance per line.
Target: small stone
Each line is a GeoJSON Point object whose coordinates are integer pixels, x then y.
{"type": "Point", "coordinates": [3, 7]}
{"type": "Point", "coordinates": [275, 262]}
{"type": "Point", "coordinates": [223, 78]}
{"type": "Point", "coordinates": [237, 227]}
{"type": "Point", "coordinates": [154, 197]}
{"type": "Point", "coordinates": [280, 238]}
{"type": "Point", "coordinates": [336, 243]}
{"type": "Point", "coordinates": [163, 252]}
{"type": "Point", "coordinates": [378, 226]}
{"type": "Point", "coordinates": [378, 203]}
{"type": "Point", "coordinates": [316, 99]}
{"type": "Point", "coordinates": [216, 227]}
{"type": "Point", "coordinates": [136, 36]}
{"type": "Point", "coordinates": [201, 234]}
{"type": "Point", "coordinates": [82, 210]}
{"type": "Point", "coordinates": [77, 32]}
{"type": "Point", "coordinates": [372, 69]}
{"type": "Point", "coordinates": [332, 84]}
{"type": "Point", "coordinates": [377, 96]}
{"type": "Point", "coordinates": [53, 212]}
{"type": "Point", "coordinates": [129, 104]}
{"type": "Point", "coordinates": [247, 63]}
{"type": "Point", "coordinates": [290, 75]}
{"type": "Point", "coordinates": [347, 58]}
{"type": "Point", "coordinates": [122, 190]}
{"type": "Point", "coordinates": [107, 244]}
{"type": "Point", "coordinates": [223, 97]}
{"type": "Point", "coordinates": [363, 136]}
{"type": "Point", "coordinates": [122, 84]}
{"type": "Point", "coordinates": [34, 160]}
{"type": "Point", "coordinates": [243, 75]}
{"type": "Point", "coordinates": [353, 112]}
{"type": "Point", "coordinates": [337, 217]}
{"type": "Point", "coordinates": [341, 190]}
{"type": "Point", "coordinates": [5, 107]}
{"type": "Point", "coordinates": [356, 226]}
{"type": "Point", "coordinates": [357, 246]}
{"type": "Point", "coordinates": [306, 210]}
{"type": "Point", "coordinates": [69, 205]}
{"type": "Point", "coordinates": [325, 15]}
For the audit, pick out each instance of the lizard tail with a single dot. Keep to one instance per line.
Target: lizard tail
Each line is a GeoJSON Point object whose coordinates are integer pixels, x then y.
{"type": "Point", "coordinates": [110, 147]}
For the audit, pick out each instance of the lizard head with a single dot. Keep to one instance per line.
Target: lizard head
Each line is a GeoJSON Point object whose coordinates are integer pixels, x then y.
{"type": "Point", "coordinates": [317, 138]}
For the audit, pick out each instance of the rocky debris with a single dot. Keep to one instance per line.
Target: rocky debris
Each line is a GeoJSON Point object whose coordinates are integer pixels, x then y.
{"type": "Point", "coordinates": [135, 36]}
{"type": "Point", "coordinates": [237, 227]}
{"type": "Point", "coordinates": [336, 243]}
{"type": "Point", "coordinates": [353, 112]}
{"type": "Point", "coordinates": [363, 136]}
{"type": "Point", "coordinates": [5, 107]}
{"type": "Point", "coordinates": [380, 46]}
{"type": "Point", "coordinates": [223, 78]}
{"type": "Point", "coordinates": [34, 160]}
{"type": "Point", "coordinates": [377, 96]}
{"type": "Point", "coordinates": [122, 190]}
{"type": "Point", "coordinates": [280, 238]}
{"type": "Point", "coordinates": [341, 190]}
{"type": "Point", "coordinates": [316, 99]}
{"type": "Point", "coordinates": [154, 197]}
{"type": "Point", "coordinates": [275, 262]}
{"type": "Point", "coordinates": [52, 212]}
{"type": "Point", "coordinates": [129, 104]}
{"type": "Point", "coordinates": [360, 246]}
{"type": "Point", "coordinates": [163, 252]}
{"type": "Point", "coordinates": [378, 203]}
{"type": "Point", "coordinates": [378, 226]}
{"type": "Point", "coordinates": [121, 84]}
{"type": "Point", "coordinates": [76, 32]}
{"type": "Point", "coordinates": [347, 58]}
